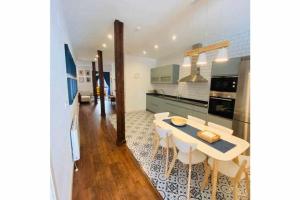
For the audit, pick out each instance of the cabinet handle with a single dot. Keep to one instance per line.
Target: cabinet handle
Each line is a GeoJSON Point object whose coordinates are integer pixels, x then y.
{"type": "Point", "coordinates": [225, 99]}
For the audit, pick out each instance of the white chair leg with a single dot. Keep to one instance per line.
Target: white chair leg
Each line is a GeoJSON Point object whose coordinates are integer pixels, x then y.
{"type": "Point", "coordinates": [172, 162]}
{"type": "Point", "coordinates": [206, 175]}
{"type": "Point", "coordinates": [247, 182]}
{"type": "Point", "coordinates": [167, 157]}
{"type": "Point", "coordinates": [235, 190]}
{"type": "Point", "coordinates": [156, 146]}
{"type": "Point", "coordinates": [214, 180]}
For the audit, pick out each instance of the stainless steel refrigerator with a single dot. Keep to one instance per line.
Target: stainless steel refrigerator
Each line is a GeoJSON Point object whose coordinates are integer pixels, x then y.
{"type": "Point", "coordinates": [241, 118]}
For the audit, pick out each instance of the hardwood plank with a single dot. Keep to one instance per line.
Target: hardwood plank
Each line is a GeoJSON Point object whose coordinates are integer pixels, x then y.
{"type": "Point", "coordinates": [107, 171]}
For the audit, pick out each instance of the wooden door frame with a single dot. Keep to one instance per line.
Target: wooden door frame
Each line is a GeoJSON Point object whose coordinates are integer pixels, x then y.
{"type": "Point", "coordinates": [101, 78]}
{"type": "Point", "coordinates": [94, 82]}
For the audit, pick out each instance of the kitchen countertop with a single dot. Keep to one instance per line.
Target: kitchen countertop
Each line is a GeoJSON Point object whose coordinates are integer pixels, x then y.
{"type": "Point", "coordinates": [195, 102]}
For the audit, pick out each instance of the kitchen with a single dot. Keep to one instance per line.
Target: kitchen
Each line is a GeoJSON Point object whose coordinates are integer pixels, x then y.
{"type": "Point", "coordinates": [227, 105]}
{"type": "Point", "coordinates": [186, 78]}
{"type": "Point", "coordinates": [229, 95]}
{"type": "Point", "coordinates": [173, 118]}
{"type": "Point", "coordinates": [214, 92]}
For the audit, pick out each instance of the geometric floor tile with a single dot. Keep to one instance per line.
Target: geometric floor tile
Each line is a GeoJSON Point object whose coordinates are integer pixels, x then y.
{"type": "Point", "coordinates": [139, 133]}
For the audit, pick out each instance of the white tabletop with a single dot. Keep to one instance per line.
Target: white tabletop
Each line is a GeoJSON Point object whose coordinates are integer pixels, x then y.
{"type": "Point", "coordinates": [241, 145]}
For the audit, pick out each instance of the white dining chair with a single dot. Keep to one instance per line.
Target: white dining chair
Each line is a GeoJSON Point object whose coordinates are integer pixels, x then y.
{"type": "Point", "coordinates": [235, 171]}
{"type": "Point", "coordinates": [220, 128]}
{"type": "Point", "coordinates": [195, 119]}
{"type": "Point", "coordinates": [162, 115]}
{"type": "Point", "coordinates": [187, 154]}
{"type": "Point", "coordinates": [162, 138]}
{"type": "Point", "coordinates": [240, 160]}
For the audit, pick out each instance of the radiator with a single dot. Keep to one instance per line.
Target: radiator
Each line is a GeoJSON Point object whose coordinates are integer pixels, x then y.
{"type": "Point", "coordinates": [75, 140]}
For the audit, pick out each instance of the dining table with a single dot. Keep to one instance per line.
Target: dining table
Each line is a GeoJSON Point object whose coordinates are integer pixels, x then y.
{"type": "Point", "coordinates": [226, 149]}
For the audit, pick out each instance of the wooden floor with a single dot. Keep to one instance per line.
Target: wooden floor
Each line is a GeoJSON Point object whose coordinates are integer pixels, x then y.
{"type": "Point", "coordinates": [105, 170]}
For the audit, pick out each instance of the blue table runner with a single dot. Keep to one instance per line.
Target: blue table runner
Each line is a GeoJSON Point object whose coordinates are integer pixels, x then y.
{"type": "Point", "coordinates": [221, 145]}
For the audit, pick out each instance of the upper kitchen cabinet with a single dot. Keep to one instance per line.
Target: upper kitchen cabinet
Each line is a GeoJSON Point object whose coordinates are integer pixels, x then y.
{"type": "Point", "coordinates": [165, 74]}
{"type": "Point", "coordinates": [229, 68]}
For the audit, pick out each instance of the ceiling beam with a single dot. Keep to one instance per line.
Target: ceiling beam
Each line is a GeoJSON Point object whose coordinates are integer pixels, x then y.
{"type": "Point", "coordinates": [212, 47]}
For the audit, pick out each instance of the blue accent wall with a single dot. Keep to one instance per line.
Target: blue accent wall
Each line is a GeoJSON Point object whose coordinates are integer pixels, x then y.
{"type": "Point", "coordinates": [70, 64]}
{"type": "Point", "coordinates": [72, 89]}
{"type": "Point", "coordinates": [107, 80]}
{"type": "Point", "coordinates": [71, 71]}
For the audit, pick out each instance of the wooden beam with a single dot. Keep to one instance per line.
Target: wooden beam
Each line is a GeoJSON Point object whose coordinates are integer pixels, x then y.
{"type": "Point", "coordinates": [119, 73]}
{"type": "Point", "coordinates": [101, 78]}
{"type": "Point", "coordinates": [212, 47]}
{"type": "Point", "coordinates": [94, 82]}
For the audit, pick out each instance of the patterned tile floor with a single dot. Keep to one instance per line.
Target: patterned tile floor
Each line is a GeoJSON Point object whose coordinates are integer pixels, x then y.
{"type": "Point", "coordinates": [139, 140]}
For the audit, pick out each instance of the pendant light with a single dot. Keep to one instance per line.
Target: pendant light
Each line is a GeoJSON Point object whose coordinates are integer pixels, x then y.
{"type": "Point", "coordinates": [222, 55]}
{"type": "Point", "coordinates": [187, 62]}
{"type": "Point", "coordinates": [202, 59]}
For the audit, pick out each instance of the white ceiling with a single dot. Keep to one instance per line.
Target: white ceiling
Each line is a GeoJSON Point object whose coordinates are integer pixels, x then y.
{"type": "Point", "coordinates": [89, 21]}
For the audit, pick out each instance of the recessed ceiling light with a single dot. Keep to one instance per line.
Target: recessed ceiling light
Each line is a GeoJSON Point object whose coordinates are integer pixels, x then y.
{"type": "Point", "coordinates": [174, 37]}
{"type": "Point", "coordinates": [156, 46]}
{"type": "Point", "coordinates": [144, 52]}
{"type": "Point", "coordinates": [138, 28]}
{"type": "Point", "coordinates": [95, 59]}
{"type": "Point", "coordinates": [104, 45]}
{"type": "Point", "coordinates": [110, 36]}
{"type": "Point", "coordinates": [97, 56]}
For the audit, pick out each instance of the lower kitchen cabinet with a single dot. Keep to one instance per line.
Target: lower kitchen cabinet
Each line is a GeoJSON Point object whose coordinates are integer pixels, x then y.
{"type": "Point", "coordinates": [158, 104]}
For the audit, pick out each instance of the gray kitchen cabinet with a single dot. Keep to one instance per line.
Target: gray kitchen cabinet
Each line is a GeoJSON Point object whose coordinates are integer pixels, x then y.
{"type": "Point", "coordinates": [155, 75]}
{"type": "Point", "coordinates": [158, 104]}
{"type": "Point", "coordinates": [165, 74]}
{"type": "Point", "coordinates": [153, 104]}
{"type": "Point", "coordinates": [229, 68]}
{"type": "Point", "coordinates": [184, 109]}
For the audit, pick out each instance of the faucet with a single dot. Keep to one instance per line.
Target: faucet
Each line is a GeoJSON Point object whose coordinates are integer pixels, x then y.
{"type": "Point", "coordinates": [163, 92]}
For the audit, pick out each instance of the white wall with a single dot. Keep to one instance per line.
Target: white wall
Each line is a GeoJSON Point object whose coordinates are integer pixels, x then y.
{"type": "Point", "coordinates": [87, 87]}
{"type": "Point", "coordinates": [137, 81]}
{"type": "Point", "coordinates": [84, 87]}
{"type": "Point", "coordinates": [113, 80]}
{"type": "Point", "coordinates": [61, 113]}
{"type": "Point", "coordinates": [234, 19]}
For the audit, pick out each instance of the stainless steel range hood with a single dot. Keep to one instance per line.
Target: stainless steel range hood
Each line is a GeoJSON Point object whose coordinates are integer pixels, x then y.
{"type": "Point", "coordinates": [195, 76]}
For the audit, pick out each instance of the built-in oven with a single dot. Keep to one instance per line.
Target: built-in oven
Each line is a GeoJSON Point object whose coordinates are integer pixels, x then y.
{"type": "Point", "coordinates": [224, 83]}
{"type": "Point", "coordinates": [222, 104]}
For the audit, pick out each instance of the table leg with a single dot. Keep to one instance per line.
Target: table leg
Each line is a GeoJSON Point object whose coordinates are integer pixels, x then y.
{"type": "Point", "coordinates": [214, 179]}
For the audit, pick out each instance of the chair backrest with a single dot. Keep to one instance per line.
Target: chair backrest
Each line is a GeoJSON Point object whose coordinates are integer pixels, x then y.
{"type": "Point", "coordinates": [196, 119]}
{"type": "Point", "coordinates": [161, 115]}
{"type": "Point", "coordinates": [220, 128]}
{"type": "Point", "coordinates": [183, 145]}
{"type": "Point", "coordinates": [163, 133]}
